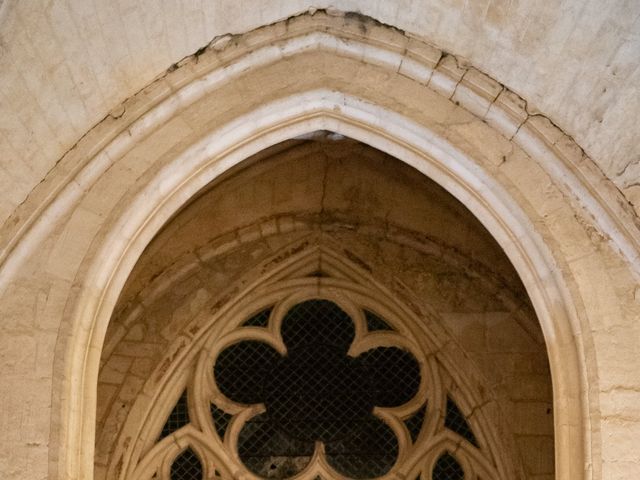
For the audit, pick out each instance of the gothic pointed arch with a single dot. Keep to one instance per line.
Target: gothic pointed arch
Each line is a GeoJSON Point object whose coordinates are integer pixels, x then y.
{"type": "Point", "coordinates": [571, 238]}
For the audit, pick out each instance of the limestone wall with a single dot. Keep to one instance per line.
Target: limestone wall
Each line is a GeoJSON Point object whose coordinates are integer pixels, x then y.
{"type": "Point", "coordinates": [66, 66]}
{"type": "Point", "coordinates": [71, 247]}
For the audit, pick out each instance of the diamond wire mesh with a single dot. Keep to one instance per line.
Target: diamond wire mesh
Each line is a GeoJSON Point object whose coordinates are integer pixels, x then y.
{"type": "Point", "coordinates": [187, 466]}
{"type": "Point", "coordinates": [370, 452]}
{"type": "Point", "coordinates": [270, 453]}
{"type": "Point", "coordinates": [260, 319]}
{"type": "Point", "coordinates": [317, 392]}
{"type": "Point", "coordinates": [395, 375]}
{"type": "Point", "coordinates": [178, 418]}
{"type": "Point", "coordinates": [221, 420]}
{"type": "Point", "coordinates": [455, 421]}
{"type": "Point", "coordinates": [317, 322]}
{"type": "Point", "coordinates": [447, 468]}
{"type": "Point", "coordinates": [240, 370]}
{"type": "Point", "coordinates": [374, 322]}
{"type": "Point", "coordinates": [414, 423]}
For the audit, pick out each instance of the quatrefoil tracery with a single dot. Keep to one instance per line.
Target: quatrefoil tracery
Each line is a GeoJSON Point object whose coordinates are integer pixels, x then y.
{"type": "Point", "coordinates": [427, 438]}
{"type": "Point", "coordinates": [317, 392]}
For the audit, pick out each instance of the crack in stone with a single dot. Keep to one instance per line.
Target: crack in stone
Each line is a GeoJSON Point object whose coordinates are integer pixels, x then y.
{"type": "Point", "coordinates": [221, 42]}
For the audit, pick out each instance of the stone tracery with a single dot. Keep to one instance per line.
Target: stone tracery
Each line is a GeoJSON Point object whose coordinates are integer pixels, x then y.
{"type": "Point", "coordinates": [487, 199]}
{"type": "Point", "coordinates": [575, 273]}
{"type": "Point", "coordinates": [316, 392]}
{"type": "Point", "coordinates": [286, 443]}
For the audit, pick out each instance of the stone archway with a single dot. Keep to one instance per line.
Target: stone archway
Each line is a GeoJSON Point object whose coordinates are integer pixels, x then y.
{"type": "Point", "coordinates": [299, 218]}
{"type": "Point", "coordinates": [469, 135]}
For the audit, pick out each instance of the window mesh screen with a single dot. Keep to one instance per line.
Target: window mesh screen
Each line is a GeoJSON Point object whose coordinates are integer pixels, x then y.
{"type": "Point", "coordinates": [370, 452]}
{"type": "Point", "coordinates": [374, 322]}
{"type": "Point", "coordinates": [221, 420]}
{"type": "Point", "coordinates": [414, 423]}
{"type": "Point", "coordinates": [395, 375]}
{"type": "Point", "coordinates": [316, 392]}
{"type": "Point", "coordinates": [187, 466]}
{"type": "Point", "coordinates": [260, 319]}
{"type": "Point", "coordinates": [178, 418]}
{"type": "Point", "coordinates": [317, 322]}
{"type": "Point", "coordinates": [241, 368]}
{"type": "Point", "coordinates": [269, 452]}
{"type": "Point", "coordinates": [447, 468]}
{"type": "Point", "coordinates": [456, 422]}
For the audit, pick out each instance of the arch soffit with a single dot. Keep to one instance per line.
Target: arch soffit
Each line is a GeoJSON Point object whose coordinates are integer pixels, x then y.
{"type": "Point", "coordinates": [112, 256]}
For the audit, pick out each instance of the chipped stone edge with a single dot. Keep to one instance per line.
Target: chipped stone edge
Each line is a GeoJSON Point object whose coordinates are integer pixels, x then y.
{"type": "Point", "coordinates": [346, 34]}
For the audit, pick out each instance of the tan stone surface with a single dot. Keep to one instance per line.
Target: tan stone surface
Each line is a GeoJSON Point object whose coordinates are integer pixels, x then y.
{"type": "Point", "coordinates": [564, 226]}
{"type": "Point", "coordinates": [67, 66]}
